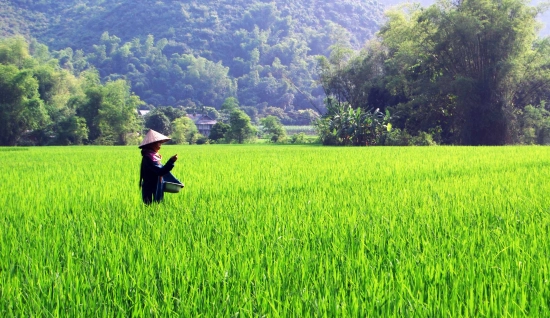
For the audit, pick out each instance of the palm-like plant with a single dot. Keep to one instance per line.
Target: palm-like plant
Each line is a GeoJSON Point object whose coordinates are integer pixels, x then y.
{"type": "Point", "coordinates": [343, 125]}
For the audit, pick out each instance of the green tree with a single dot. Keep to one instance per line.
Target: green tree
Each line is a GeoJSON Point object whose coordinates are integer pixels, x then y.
{"type": "Point", "coordinates": [110, 111]}
{"type": "Point", "coordinates": [252, 112]}
{"type": "Point", "coordinates": [211, 112]}
{"type": "Point", "coordinates": [210, 81]}
{"type": "Point", "coordinates": [275, 111]}
{"type": "Point", "coordinates": [158, 121]}
{"type": "Point", "coordinates": [170, 112]}
{"type": "Point", "coordinates": [333, 71]}
{"type": "Point", "coordinates": [230, 104]}
{"type": "Point", "coordinates": [299, 138]}
{"type": "Point", "coordinates": [272, 126]}
{"type": "Point", "coordinates": [58, 88]}
{"type": "Point", "coordinates": [184, 131]}
{"type": "Point", "coordinates": [492, 42]}
{"type": "Point", "coordinates": [218, 132]}
{"type": "Point", "coordinates": [72, 131]}
{"type": "Point", "coordinates": [14, 51]}
{"type": "Point", "coordinates": [240, 129]}
{"type": "Point", "coordinates": [21, 108]}
{"type": "Point", "coordinates": [118, 116]}
{"type": "Point", "coordinates": [464, 62]}
{"type": "Point", "coordinates": [88, 108]}
{"type": "Point", "coordinates": [536, 125]}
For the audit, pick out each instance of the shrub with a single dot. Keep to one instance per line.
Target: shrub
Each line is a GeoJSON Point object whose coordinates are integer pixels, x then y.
{"type": "Point", "coordinates": [202, 140]}
{"type": "Point", "coordinates": [299, 138]}
{"type": "Point", "coordinates": [423, 139]}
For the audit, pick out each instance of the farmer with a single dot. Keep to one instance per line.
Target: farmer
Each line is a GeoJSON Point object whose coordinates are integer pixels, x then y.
{"type": "Point", "coordinates": [153, 174]}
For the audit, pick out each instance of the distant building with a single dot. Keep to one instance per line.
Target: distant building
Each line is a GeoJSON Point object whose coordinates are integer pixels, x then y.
{"type": "Point", "coordinates": [143, 112]}
{"type": "Point", "coordinates": [204, 123]}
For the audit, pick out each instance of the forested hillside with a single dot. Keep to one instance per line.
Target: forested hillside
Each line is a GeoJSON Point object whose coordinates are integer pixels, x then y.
{"type": "Point", "coordinates": [197, 53]}
{"type": "Point", "coordinates": [81, 22]}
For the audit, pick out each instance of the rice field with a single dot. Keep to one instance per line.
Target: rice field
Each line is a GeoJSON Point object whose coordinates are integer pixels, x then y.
{"type": "Point", "coordinates": [308, 130]}
{"type": "Point", "coordinates": [277, 231]}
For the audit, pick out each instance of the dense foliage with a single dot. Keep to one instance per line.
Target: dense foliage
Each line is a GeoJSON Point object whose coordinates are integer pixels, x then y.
{"type": "Point", "coordinates": [182, 53]}
{"type": "Point", "coordinates": [43, 104]}
{"type": "Point", "coordinates": [40, 103]}
{"type": "Point", "coordinates": [543, 18]}
{"type": "Point", "coordinates": [471, 72]}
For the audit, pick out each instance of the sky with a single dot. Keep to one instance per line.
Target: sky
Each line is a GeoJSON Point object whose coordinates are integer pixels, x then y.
{"type": "Point", "coordinates": [545, 18]}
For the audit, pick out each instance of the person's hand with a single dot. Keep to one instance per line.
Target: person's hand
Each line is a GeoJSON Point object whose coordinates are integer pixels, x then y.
{"type": "Point", "coordinates": [174, 158]}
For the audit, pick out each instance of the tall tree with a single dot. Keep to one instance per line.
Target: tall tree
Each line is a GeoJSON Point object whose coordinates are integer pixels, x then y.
{"type": "Point", "coordinates": [355, 78]}
{"type": "Point", "coordinates": [21, 108]}
{"type": "Point", "coordinates": [467, 54]}
{"type": "Point", "coordinates": [230, 104]}
{"type": "Point", "coordinates": [184, 131]}
{"type": "Point", "coordinates": [218, 132]}
{"type": "Point", "coordinates": [14, 51]}
{"type": "Point", "coordinates": [71, 131]}
{"type": "Point", "coordinates": [118, 116]}
{"type": "Point", "coordinates": [272, 126]}
{"type": "Point", "coordinates": [240, 129]}
{"type": "Point", "coordinates": [158, 121]}
{"type": "Point", "coordinates": [110, 111]}
{"type": "Point", "coordinates": [479, 44]}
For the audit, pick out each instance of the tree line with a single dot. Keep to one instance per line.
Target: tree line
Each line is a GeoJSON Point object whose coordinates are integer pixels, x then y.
{"type": "Point", "coordinates": [469, 72]}
{"type": "Point", "coordinates": [42, 103]}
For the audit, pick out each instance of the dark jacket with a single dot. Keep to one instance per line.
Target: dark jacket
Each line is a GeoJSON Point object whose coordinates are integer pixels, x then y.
{"type": "Point", "coordinates": [152, 177]}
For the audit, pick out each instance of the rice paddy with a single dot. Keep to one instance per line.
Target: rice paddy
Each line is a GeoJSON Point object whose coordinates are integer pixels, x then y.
{"type": "Point", "coordinates": [277, 231]}
{"type": "Point", "coordinates": [308, 130]}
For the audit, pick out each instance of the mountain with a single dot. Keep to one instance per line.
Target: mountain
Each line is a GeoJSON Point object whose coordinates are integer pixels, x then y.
{"type": "Point", "coordinates": [262, 52]}
{"type": "Point", "coordinates": [79, 23]}
{"type": "Point", "coordinates": [197, 53]}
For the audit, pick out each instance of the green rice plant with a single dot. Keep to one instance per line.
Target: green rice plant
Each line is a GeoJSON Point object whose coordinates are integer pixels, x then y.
{"type": "Point", "coordinates": [277, 231]}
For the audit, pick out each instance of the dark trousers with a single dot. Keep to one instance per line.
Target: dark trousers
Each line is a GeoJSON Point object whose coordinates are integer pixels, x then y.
{"type": "Point", "coordinates": [155, 192]}
{"type": "Point", "coordinates": [152, 192]}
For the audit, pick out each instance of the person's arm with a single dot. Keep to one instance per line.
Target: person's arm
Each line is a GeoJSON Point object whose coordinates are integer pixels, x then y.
{"type": "Point", "coordinates": [156, 168]}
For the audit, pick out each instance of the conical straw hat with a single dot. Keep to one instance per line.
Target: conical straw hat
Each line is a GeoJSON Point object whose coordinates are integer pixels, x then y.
{"type": "Point", "coordinates": [153, 136]}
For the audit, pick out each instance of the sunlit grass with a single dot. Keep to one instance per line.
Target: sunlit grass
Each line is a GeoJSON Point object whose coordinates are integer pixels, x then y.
{"type": "Point", "coordinates": [277, 231]}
